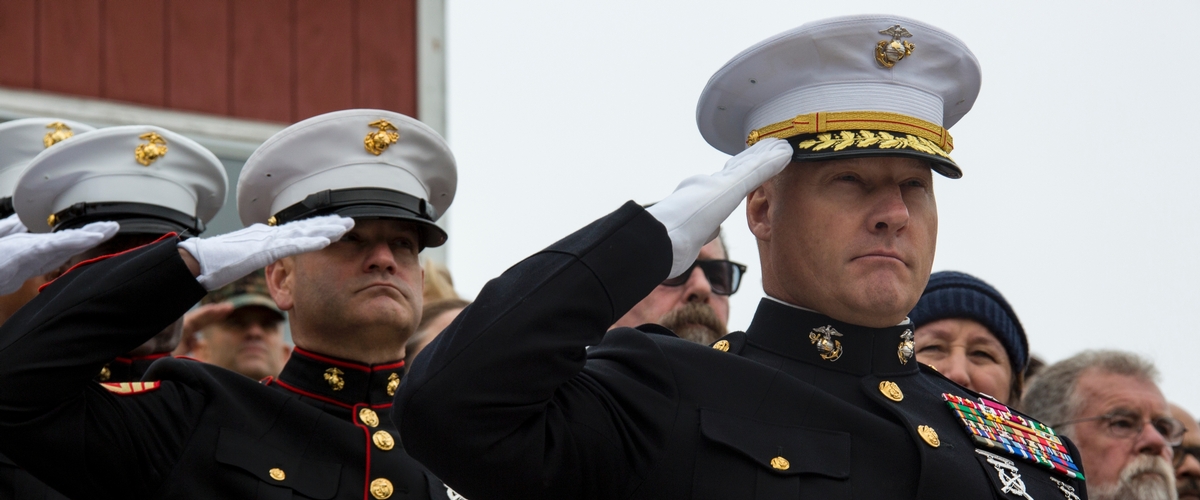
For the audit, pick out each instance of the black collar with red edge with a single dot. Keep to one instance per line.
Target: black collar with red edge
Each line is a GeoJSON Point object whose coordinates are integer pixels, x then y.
{"type": "Point", "coordinates": [339, 381]}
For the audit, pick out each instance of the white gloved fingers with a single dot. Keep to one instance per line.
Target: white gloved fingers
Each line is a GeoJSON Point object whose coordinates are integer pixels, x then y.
{"type": "Point", "coordinates": [328, 226]}
{"type": "Point", "coordinates": [25, 255]}
{"type": "Point", "coordinates": [695, 211]}
{"type": "Point", "coordinates": [225, 258]}
{"type": "Point", "coordinates": [11, 225]}
{"type": "Point", "coordinates": [105, 229]}
{"type": "Point", "coordinates": [214, 278]}
{"type": "Point", "coordinates": [760, 162]}
{"type": "Point", "coordinates": [54, 249]}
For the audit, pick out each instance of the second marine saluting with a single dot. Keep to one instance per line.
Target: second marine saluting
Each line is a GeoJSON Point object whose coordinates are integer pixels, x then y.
{"type": "Point", "coordinates": [821, 396]}
{"type": "Point", "coordinates": [338, 208]}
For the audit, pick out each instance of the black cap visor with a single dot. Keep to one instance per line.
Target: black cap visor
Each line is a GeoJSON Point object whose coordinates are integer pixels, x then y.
{"type": "Point", "coordinates": [368, 203]}
{"type": "Point", "coordinates": [134, 218]}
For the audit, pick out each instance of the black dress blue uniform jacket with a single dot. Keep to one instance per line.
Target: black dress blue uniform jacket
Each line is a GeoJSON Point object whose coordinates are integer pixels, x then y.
{"type": "Point", "coordinates": [189, 430]}
{"type": "Point", "coordinates": [510, 402]}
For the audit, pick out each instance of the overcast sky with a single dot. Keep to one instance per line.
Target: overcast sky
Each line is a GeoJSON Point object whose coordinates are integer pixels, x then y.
{"type": "Point", "coordinates": [1080, 195]}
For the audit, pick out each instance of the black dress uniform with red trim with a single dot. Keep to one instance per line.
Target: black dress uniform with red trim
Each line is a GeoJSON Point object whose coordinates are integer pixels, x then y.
{"type": "Point", "coordinates": [190, 430]}
{"type": "Point", "coordinates": [643, 414]}
{"type": "Point", "coordinates": [18, 484]}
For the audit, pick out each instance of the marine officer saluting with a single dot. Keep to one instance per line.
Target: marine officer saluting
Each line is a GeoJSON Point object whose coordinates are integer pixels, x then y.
{"type": "Point", "coordinates": [820, 397]}
{"type": "Point", "coordinates": [191, 430]}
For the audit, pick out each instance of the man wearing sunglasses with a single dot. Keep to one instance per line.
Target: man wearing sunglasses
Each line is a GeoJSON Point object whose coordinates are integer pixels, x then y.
{"type": "Point", "coordinates": [1109, 404]}
{"type": "Point", "coordinates": [695, 304]}
{"type": "Point", "coordinates": [1187, 456]}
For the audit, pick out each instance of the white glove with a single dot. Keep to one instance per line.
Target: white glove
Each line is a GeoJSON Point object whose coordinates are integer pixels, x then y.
{"type": "Point", "coordinates": [11, 225]}
{"type": "Point", "coordinates": [694, 212]}
{"type": "Point", "coordinates": [225, 258]}
{"type": "Point", "coordinates": [25, 255]}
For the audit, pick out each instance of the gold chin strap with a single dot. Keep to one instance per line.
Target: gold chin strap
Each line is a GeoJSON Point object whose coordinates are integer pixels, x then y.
{"type": "Point", "coordinates": [822, 122]}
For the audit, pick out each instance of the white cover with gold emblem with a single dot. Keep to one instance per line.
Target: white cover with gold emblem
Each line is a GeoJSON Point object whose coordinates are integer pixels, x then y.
{"type": "Point", "coordinates": [102, 166]}
{"type": "Point", "coordinates": [331, 151]}
{"type": "Point", "coordinates": [830, 65]}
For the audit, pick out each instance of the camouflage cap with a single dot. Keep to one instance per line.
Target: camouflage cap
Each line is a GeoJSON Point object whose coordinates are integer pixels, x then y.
{"type": "Point", "coordinates": [251, 290]}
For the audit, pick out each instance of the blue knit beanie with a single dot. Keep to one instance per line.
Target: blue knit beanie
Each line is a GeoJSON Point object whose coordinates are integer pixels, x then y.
{"type": "Point", "coordinates": [951, 294]}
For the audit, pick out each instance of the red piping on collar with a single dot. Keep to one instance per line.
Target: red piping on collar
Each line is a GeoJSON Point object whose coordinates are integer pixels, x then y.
{"type": "Point", "coordinates": [171, 234]}
{"type": "Point", "coordinates": [131, 359]}
{"type": "Point", "coordinates": [326, 399]}
{"type": "Point", "coordinates": [348, 364]}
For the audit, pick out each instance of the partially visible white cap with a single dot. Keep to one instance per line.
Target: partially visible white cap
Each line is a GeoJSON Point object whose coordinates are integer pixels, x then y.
{"type": "Point", "coordinates": [21, 140]}
{"type": "Point", "coordinates": [148, 178]}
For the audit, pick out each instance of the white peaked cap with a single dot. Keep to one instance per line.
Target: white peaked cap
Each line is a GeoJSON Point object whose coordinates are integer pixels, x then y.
{"type": "Point", "coordinates": [21, 140]}
{"type": "Point", "coordinates": [845, 65]}
{"type": "Point", "coordinates": [148, 178]}
{"type": "Point", "coordinates": [358, 163]}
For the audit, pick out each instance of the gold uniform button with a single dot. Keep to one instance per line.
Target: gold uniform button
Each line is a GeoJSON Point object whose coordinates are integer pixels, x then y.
{"type": "Point", "coordinates": [891, 390]}
{"type": "Point", "coordinates": [383, 440]}
{"type": "Point", "coordinates": [381, 488]}
{"type": "Point", "coordinates": [722, 345]}
{"type": "Point", "coordinates": [277, 474]}
{"type": "Point", "coordinates": [369, 417]}
{"type": "Point", "coordinates": [929, 435]}
{"type": "Point", "coordinates": [780, 463]}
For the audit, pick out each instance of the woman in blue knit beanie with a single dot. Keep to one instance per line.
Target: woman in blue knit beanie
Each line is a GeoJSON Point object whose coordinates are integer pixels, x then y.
{"type": "Point", "coordinates": [969, 333]}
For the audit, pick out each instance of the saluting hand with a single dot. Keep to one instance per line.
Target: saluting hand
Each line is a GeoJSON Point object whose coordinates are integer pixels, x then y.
{"type": "Point", "coordinates": [223, 259]}
{"type": "Point", "coordinates": [695, 211]}
{"type": "Point", "coordinates": [11, 225]}
{"type": "Point", "coordinates": [25, 255]}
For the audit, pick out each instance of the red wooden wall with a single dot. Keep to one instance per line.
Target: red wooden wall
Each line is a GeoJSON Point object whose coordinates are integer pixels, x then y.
{"type": "Point", "coordinates": [277, 60]}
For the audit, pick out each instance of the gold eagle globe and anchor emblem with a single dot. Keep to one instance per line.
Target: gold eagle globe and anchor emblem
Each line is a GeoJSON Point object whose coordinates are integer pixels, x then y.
{"type": "Point", "coordinates": [907, 348]}
{"type": "Point", "coordinates": [890, 52]}
{"type": "Point", "coordinates": [334, 377]}
{"type": "Point", "coordinates": [154, 148]}
{"type": "Point", "coordinates": [827, 346]}
{"type": "Point", "coordinates": [393, 382]}
{"type": "Point", "coordinates": [60, 133]}
{"type": "Point", "coordinates": [379, 140]}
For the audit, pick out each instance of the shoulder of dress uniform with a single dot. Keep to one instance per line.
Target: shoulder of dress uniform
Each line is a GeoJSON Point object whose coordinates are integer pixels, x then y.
{"type": "Point", "coordinates": [656, 329]}
{"type": "Point", "coordinates": [130, 388]}
{"type": "Point", "coordinates": [731, 343]}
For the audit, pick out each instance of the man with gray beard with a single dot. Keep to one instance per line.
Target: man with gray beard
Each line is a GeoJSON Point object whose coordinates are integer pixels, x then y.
{"type": "Point", "coordinates": [694, 305]}
{"type": "Point", "coordinates": [1109, 404]}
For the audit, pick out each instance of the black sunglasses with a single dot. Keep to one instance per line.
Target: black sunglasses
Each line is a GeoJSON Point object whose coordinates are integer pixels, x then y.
{"type": "Point", "coordinates": [1181, 453]}
{"type": "Point", "coordinates": [724, 276]}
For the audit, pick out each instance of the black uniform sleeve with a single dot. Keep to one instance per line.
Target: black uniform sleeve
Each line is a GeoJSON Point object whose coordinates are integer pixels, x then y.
{"type": "Point", "coordinates": [69, 431]}
{"type": "Point", "coordinates": [500, 406]}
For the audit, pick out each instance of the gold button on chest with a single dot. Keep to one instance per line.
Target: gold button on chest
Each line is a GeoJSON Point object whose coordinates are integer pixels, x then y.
{"type": "Point", "coordinates": [277, 474]}
{"type": "Point", "coordinates": [780, 463]}
{"type": "Point", "coordinates": [721, 345]}
{"type": "Point", "coordinates": [929, 435]}
{"type": "Point", "coordinates": [383, 440]}
{"type": "Point", "coordinates": [891, 391]}
{"type": "Point", "coordinates": [369, 417]}
{"type": "Point", "coordinates": [381, 488]}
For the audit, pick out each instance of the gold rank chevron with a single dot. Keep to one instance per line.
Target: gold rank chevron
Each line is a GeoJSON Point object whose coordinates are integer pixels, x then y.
{"type": "Point", "coordinates": [130, 388]}
{"type": "Point", "coordinates": [839, 121]}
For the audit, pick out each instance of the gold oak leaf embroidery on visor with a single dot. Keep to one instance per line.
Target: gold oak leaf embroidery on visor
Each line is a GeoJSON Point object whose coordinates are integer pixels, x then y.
{"type": "Point", "coordinates": [867, 138]}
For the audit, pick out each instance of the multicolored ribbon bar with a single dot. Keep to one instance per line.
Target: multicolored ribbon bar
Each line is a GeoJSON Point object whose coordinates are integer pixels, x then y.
{"type": "Point", "coordinates": [996, 427]}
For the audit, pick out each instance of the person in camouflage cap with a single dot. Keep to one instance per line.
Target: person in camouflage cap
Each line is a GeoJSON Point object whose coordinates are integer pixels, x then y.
{"type": "Point", "coordinates": [239, 327]}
